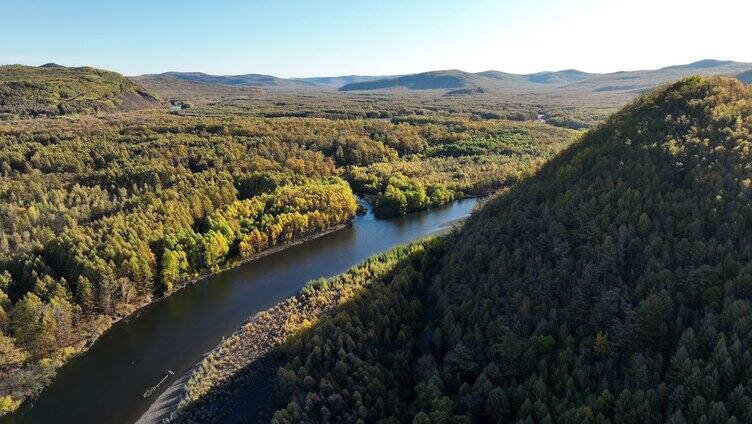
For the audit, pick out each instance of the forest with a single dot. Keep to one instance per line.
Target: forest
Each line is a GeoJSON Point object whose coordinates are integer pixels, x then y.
{"type": "Point", "coordinates": [612, 285]}
{"type": "Point", "coordinates": [104, 211]}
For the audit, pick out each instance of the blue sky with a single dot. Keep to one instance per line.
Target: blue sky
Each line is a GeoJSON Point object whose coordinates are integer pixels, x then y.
{"type": "Point", "coordinates": [317, 37]}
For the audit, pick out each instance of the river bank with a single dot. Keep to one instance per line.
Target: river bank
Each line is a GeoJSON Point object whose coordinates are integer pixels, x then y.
{"type": "Point", "coordinates": [233, 263]}
{"type": "Point", "coordinates": [41, 375]}
{"type": "Point", "coordinates": [175, 332]}
{"type": "Point", "coordinates": [254, 345]}
{"type": "Point", "coordinates": [234, 372]}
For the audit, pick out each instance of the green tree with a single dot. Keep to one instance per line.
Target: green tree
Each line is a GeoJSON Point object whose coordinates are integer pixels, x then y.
{"type": "Point", "coordinates": [10, 355]}
{"type": "Point", "coordinates": [25, 322]}
{"type": "Point", "coordinates": [174, 266]}
{"type": "Point", "coordinates": [601, 343]}
{"type": "Point", "coordinates": [84, 293]}
{"type": "Point", "coordinates": [216, 248]}
{"type": "Point", "coordinates": [391, 203]}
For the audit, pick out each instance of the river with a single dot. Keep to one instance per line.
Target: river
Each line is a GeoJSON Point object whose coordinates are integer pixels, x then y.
{"type": "Point", "coordinates": [106, 383]}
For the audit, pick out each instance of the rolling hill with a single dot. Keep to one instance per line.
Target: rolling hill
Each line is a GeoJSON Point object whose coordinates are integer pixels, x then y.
{"type": "Point", "coordinates": [56, 90]}
{"type": "Point", "coordinates": [339, 81]}
{"type": "Point", "coordinates": [567, 80]}
{"type": "Point", "coordinates": [454, 79]}
{"type": "Point", "coordinates": [257, 80]}
{"type": "Point", "coordinates": [245, 80]}
{"type": "Point", "coordinates": [451, 79]}
{"type": "Point", "coordinates": [745, 77]}
{"type": "Point", "coordinates": [638, 81]}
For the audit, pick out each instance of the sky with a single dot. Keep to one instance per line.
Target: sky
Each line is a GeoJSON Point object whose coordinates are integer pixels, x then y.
{"type": "Point", "coordinates": [387, 37]}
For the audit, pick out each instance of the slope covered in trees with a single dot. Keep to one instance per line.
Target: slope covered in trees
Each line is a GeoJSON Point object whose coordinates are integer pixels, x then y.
{"type": "Point", "coordinates": [613, 286]}
{"type": "Point", "coordinates": [56, 90]}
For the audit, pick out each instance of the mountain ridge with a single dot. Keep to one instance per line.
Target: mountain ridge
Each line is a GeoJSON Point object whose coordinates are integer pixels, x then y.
{"type": "Point", "coordinates": [564, 79]}
{"type": "Point", "coordinates": [241, 80]}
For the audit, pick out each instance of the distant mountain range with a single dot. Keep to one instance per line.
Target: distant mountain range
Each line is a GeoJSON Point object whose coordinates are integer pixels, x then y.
{"type": "Point", "coordinates": [336, 82]}
{"type": "Point", "coordinates": [259, 80]}
{"type": "Point", "coordinates": [567, 79]}
{"type": "Point", "coordinates": [254, 80]}
{"type": "Point", "coordinates": [467, 83]}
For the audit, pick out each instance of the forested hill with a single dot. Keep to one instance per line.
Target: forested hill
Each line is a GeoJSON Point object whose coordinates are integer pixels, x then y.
{"type": "Point", "coordinates": [615, 285]}
{"type": "Point", "coordinates": [56, 90]}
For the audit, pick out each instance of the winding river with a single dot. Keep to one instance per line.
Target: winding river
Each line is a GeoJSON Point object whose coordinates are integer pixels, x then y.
{"type": "Point", "coordinates": [106, 384]}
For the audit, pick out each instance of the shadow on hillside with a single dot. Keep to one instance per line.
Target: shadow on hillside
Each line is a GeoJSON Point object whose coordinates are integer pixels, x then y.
{"type": "Point", "coordinates": [250, 396]}
{"type": "Point", "coordinates": [253, 393]}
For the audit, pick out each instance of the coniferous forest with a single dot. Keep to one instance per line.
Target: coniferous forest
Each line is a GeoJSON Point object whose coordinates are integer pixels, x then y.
{"type": "Point", "coordinates": [612, 286]}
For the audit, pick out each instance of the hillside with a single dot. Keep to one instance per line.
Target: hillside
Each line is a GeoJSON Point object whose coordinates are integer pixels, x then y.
{"type": "Point", "coordinates": [52, 89]}
{"type": "Point", "coordinates": [451, 79]}
{"type": "Point", "coordinates": [613, 286]}
{"type": "Point", "coordinates": [638, 81]}
{"type": "Point", "coordinates": [195, 93]}
{"type": "Point", "coordinates": [545, 77]}
{"type": "Point", "coordinates": [258, 80]}
{"type": "Point", "coordinates": [454, 79]}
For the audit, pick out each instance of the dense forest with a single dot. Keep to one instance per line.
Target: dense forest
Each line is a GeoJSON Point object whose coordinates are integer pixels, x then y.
{"type": "Point", "coordinates": [611, 286]}
{"type": "Point", "coordinates": [104, 212]}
